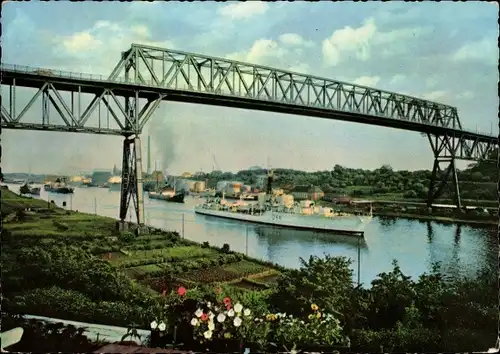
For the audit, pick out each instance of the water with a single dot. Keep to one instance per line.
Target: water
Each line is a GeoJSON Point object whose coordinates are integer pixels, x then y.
{"type": "Point", "coordinates": [415, 244]}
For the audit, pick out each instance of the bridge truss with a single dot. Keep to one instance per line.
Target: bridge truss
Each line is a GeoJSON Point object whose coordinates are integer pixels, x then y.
{"type": "Point", "coordinates": [145, 76]}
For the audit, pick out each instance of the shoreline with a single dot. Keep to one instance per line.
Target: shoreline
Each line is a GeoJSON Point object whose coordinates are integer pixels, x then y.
{"type": "Point", "coordinates": [440, 219]}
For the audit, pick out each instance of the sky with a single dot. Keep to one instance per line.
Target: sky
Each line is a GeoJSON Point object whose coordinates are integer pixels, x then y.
{"type": "Point", "coordinates": [446, 52]}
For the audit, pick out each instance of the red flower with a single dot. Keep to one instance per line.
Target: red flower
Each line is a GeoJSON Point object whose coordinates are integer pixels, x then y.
{"type": "Point", "coordinates": [181, 291]}
{"type": "Point", "coordinates": [204, 317]}
{"type": "Point", "coordinates": [228, 307]}
{"type": "Point", "coordinates": [227, 301]}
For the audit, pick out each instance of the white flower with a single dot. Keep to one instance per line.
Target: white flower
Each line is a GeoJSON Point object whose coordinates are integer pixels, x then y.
{"type": "Point", "coordinates": [246, 312]}
{"type": "Point", "coordinates": [154, 325]}
{"type": "Point", "coordinates": [211, 315]}
{"type": "Point", "coordinates": [216, 308]}
{"type": "Point", "coordinates": [207, 334]}
{"type": "Point", "coordinates": [237, 321]}
{"type": "Point", "coordinates": [194, 322]}
{"type": "Point", "coordinates": [221, 317]}
{"type": "Point", "coordinates": [211, 326]}
{"type": "Point", "coordinates": [230, 313]}
{"type": "Point", "coordinates": [238, 308]}
{"type": "Point", "coordinates": [162, 326]}
{"type": "Point", "coordinates": [209, 304]}
{"type": "Point", "coordinates": [198, 313]}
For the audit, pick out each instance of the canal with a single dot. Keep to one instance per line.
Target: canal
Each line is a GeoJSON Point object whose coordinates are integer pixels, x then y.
{"type": "Point", "coordinates": [461, 250]}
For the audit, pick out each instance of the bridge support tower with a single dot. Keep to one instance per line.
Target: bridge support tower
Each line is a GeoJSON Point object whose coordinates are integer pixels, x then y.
{"type": "Point", "coordinates": [443, 170]}
{"type": "Point", "coordinates": [132, 181]}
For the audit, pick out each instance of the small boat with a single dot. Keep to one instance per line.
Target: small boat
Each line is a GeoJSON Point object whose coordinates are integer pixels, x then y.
{"type": "Point", "coordinates": [59, 187]}
{"type": "Point", "coordinates": [35, 191]}
{"type": "Point", "coordinates": [168, 195]}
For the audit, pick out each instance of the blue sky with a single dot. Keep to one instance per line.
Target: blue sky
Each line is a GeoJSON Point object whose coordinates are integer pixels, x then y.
{"type": "Point", "coordinates": [445, 52]}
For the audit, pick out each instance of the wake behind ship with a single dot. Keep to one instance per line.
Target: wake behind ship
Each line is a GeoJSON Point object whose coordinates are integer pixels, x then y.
{"type": "Point", "coordinates": [283, 211]}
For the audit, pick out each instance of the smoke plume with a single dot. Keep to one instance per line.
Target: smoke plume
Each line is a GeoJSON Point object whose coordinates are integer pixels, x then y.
{"type": "Point", "coordinates": [163, 141]}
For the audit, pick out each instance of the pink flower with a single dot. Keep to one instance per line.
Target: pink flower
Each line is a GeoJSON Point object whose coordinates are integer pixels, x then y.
{"type": "Point", "coordinates": [204, 317]}
{"type": "Point", "coordinates": [227, 301]}
{"type": "Point", "coordinates": [181, 291]}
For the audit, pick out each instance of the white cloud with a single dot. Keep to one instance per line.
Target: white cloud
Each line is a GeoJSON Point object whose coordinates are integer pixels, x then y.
{"type": "Point", "coordinates": [349, 41]}
{"type": "Point", "coordinates": [434, 95]}
{"type": "Point", "coordinates": [295, 39]}
{"type": "Point", "coordinates": [243, 10]}
{"type": "Point", "coordinates": [263, 51]}
{"type": "Point", "coordinates": [81, 42]}
{"type": "Point", "coordinates": [369, 81]}
{"type": "Point", "coordinates": [101, 43]}
{"type": "Point", "coordinates": [358, 43]}
{"type": "Point", "coordinates": [483, 50]}
{"type": "Point", "coordinates": [397, 79]}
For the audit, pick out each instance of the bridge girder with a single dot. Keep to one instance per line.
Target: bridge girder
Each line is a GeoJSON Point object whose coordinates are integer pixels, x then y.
{"type": "Point", "coordinates": [170, 69]}
{"type": "Point", "coordinates": [63, 107]}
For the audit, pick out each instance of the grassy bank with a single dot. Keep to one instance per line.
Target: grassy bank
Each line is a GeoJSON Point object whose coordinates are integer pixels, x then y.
{"type": "Point", "coordinates": [77, 266]}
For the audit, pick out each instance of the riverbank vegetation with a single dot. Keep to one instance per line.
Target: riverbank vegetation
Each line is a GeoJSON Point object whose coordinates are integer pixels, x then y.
{"type": "Point", "coordinates": [76, 266]}
{"type": "Point", "coordinates": [478, 182]}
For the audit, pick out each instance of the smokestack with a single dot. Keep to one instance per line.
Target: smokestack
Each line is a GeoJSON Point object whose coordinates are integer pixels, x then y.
{"type": "Point", "coordinates": [149, 154]}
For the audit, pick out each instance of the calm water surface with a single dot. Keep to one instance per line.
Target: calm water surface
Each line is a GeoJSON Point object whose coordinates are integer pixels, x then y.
{"type": "Point", "coordinates": [415, 244]}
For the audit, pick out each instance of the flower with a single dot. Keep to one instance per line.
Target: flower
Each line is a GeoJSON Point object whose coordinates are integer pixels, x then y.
{"type": "Point", "coordinates": [318, 315]}
{"type": "Point", "coordinates": [194, 322]}
{"type": "Point", "coordinates": [237, 322]}
{"type": "Point", "coordinates": [221, 317]}
{"type": "Point", "coordinates": [198, 313]}
{"type": "Point", "coordinates": [211, 315]}
{"type": "Point", "coordinates": [230, 313]}
{"type": "Point", "coordinates": [207, 334]}
{"type": "Point", "coordinates": [204, 317]}
{"type": "Point", "coordinates": [209, 304]}
{"type": "Point", "coordinates": [162, 326]}
{"type": "Point", "coordinates": [310, 317]}
{"type": "Point", "coordinates": [211, 326]}
{"type": "Point", "coordinates": [314, 307]}
{"type": "Point", "coordinates": [238, 308]}
{"type": "Point", "coordinates": [227, 300]}
{"type": "Point", "coordinates": [181, 291]}
{"type": "Point", "coordinates": [246, 312]}
{"type": "Point", "coordinates": [154, 325]}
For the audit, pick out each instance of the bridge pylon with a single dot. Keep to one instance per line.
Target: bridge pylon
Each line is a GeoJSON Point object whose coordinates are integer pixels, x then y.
{"type": "Point", "coordinates": [444, 150]}
{"type": "Point", "coordinates": [132, 190]}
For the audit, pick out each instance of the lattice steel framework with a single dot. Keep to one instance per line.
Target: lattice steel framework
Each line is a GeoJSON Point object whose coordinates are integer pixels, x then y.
{"type": "Point", "coordinates": [121, 104]}
{"type": "Point", "coordinates": [278, 89]}
{"type": "Point", "coordinates": [132, 179]}
{"type": "Point", "coordinates": [447, 149]}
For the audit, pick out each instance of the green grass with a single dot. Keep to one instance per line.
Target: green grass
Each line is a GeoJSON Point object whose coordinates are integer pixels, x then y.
{"type": "Point", "coordinates": [244, 268]}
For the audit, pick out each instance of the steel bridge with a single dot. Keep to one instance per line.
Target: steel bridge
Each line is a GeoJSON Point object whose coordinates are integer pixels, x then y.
{"type": "Point", "coordinates": [145, 76]}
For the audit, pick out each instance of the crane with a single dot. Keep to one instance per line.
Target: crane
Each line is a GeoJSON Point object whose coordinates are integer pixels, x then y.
{"type": "Point", "coordinates": [215, 165]}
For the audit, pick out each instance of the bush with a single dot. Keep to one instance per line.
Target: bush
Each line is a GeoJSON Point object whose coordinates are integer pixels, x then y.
{"type": "Point", "coordinates": [225, 248]}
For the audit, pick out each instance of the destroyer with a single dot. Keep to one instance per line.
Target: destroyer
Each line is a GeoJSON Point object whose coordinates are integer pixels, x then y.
{"type": "Point", "coordinates": [283, 211]}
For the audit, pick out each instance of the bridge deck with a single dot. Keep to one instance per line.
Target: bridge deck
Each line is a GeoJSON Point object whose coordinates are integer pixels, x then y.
{"type": "Point", "coordinates": [95, 84]}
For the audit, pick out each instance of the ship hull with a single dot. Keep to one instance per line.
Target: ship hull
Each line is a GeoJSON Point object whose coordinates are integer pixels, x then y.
{"type": "Point", "coordinates": [350, 225]}
{"type": "Point", "coordinates": [61, 190]}
{"type": "Point", "coordinates": [178, 198]}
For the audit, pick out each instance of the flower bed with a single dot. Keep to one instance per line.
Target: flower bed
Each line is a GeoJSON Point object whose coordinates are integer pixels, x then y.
{"type": "Point", "coordinates": [220, 324]}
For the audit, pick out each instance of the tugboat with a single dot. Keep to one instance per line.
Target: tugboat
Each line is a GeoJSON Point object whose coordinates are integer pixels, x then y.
{"type": "Point", "coordinates": [167, 194]}
{"type": "Point", "coordinates": [59, 187]}
{"type": "Point", "coordinates": [26, 189]}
